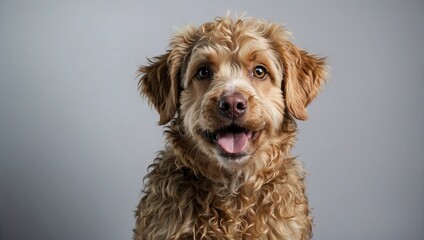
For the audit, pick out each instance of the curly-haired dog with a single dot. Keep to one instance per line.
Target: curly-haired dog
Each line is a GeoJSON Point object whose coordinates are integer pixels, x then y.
{"type": "Point", "coordinates": [229, 90]}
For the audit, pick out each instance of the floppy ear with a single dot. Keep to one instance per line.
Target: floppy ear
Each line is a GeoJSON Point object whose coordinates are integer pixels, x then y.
{"type": "Point", "coordinates": [303, 76]}
{"type": "Point", "coordinates": [160, 87]}
{"type": "Point", "coordinates": [160, 80]}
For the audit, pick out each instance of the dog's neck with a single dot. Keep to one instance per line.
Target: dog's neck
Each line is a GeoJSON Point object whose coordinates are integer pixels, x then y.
{"type": "Point", "coordinates": [227, 195]}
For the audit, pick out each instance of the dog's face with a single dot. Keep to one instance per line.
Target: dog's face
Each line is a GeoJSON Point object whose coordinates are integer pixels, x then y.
{"type": "Point", "coordinates": [231, 84]}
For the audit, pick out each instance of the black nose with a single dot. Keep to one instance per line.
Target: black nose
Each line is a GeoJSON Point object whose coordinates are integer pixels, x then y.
{"type": "Point", "coordinates": [232, 106]}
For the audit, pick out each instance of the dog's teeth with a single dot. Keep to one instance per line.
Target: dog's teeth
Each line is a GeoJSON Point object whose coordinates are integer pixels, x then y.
{"type": "Point", "coordinates": [249, 134]}
{"type": "Point", "coordinates": [215, 138]}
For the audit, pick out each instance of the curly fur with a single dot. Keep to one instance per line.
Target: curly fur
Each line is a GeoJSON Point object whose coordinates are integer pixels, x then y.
{"type": "Point", "coordinates": [192, 191]}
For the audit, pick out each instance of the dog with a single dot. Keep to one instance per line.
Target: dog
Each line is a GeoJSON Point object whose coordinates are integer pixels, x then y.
{"type": "Point", "coordinates": [228, 92]}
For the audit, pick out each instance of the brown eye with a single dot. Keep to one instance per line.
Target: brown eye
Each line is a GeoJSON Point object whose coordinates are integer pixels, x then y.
{"type": "Point", "coordinates": [203, 73]}
{"type": "Point", "coordinates": [260, 72]}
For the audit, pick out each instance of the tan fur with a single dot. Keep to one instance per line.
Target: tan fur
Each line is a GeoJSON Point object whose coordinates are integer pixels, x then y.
{"type": "Point", "coordinates": [193, 192]}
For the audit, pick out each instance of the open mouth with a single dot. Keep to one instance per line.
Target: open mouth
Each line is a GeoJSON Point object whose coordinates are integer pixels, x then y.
{"type": "Point", "coordinates": [231, 139]}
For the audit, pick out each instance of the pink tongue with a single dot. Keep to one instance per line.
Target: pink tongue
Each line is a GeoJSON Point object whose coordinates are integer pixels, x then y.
{"type": "Point", "coordinates": [233, 143]}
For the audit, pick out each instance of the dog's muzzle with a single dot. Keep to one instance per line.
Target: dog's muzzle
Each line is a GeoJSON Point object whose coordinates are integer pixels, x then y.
{"type": "Point", "coordinates": [232, 139]}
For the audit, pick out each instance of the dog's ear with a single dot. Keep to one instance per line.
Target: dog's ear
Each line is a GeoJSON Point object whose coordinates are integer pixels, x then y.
{"type": "Point", "coordinates": [160, 87]}
{"type": "Point", "coordinates": [303, 76]}
{"type": "Point", "coordinates": [160, 80]}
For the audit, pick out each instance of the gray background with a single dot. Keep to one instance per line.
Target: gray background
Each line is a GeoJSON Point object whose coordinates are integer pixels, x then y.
{"type": "Point", "coordinates": [76, 139]}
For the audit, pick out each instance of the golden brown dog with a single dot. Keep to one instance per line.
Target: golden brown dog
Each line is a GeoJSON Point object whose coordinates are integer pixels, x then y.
{"type": "Point", "coordinates": [229, 90]}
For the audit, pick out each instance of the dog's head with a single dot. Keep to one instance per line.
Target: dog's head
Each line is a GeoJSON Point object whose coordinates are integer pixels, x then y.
{"type": "Point", "coordinates": [232, 83]}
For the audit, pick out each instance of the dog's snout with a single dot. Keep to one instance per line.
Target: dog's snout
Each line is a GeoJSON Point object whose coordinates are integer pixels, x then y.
{"type": "Point", "coordinates": [232, 106]}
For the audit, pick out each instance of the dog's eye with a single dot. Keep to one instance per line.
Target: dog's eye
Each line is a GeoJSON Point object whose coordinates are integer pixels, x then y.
{"type": "Point", "coordinates": [203, 73]}
{"type": "Point", "coordinates": [260, 72]}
